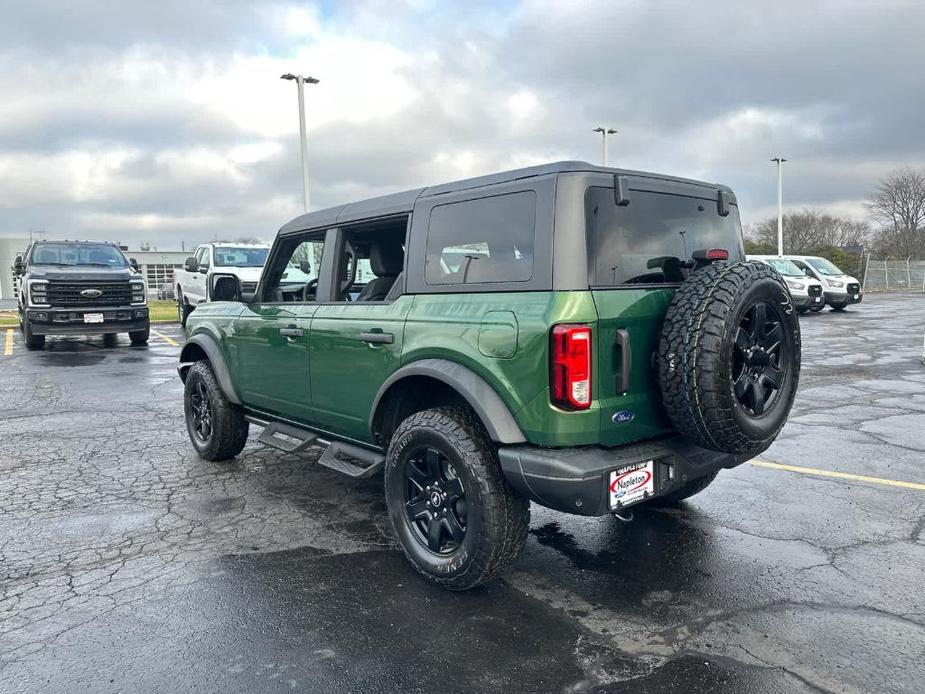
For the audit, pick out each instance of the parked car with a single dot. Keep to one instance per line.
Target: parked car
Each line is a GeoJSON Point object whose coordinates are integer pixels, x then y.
{"type": "Point", "coordinates": [80, 288]}
{"type": "Point", "coordinates": [245, 261]}
{"type": "Point", "coordinates": [806, 292]}
{"type": "Point", "coordinates": [580, 337]}
{"type": "Point", "coordinates": [165, 292]}
{"type": "Point", "coordinates": [840, 289]}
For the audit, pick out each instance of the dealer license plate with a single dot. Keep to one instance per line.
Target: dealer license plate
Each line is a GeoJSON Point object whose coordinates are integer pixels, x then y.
{"type": "Point", "coordinates": [855, 296]}
{"type": "Point", "coordinates": [631, 484]}
{"type": "Point", "coordinates": [93, 318]}
{"type": "Point", "coordinates": [817, 299]}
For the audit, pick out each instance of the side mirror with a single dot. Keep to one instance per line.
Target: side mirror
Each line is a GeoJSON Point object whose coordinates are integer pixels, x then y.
{"type": "Point", "coordinates": [204, 269]}
{"type": "Point", "coordinates": [19, 265]}
{"type": "Point", "coordinates": [134, 264]}
{"type": "Point", "coordinates": [305, 266]}
{"type": "Point", "coordinates": [190, 264]}
{"type": "Point", "coordinates": [225, 287]}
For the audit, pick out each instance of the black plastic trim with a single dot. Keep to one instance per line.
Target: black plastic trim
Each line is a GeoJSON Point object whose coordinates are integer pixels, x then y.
{"type": "Point", "coordinates": [216, 359]}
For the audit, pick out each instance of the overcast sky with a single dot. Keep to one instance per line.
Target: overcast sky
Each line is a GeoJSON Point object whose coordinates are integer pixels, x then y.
{"type": "Point", "coordinates": [167, 121]}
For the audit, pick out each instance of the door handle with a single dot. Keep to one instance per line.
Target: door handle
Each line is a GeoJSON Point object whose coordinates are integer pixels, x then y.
{"type": "Point", "coordinates": [377, 338]}
{"type": "Point", "coordinates": [291, 332]}
{"type": "Point", "coordinates": [626, 360]}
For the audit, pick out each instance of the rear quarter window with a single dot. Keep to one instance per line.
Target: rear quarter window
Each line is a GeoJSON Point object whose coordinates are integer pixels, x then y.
{"type": "Point", "coordinates": [628, 245]}
{"type": "Point", "coordinates": [481, 241]}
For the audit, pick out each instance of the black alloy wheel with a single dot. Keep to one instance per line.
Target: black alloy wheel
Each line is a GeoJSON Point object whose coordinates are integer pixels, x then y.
{"type": "Point", "coordinates": [201, 411]}
{"type": "Point", "coordinates": [760, 358]}
{"type": "Point", "coordinates": [435, 501]}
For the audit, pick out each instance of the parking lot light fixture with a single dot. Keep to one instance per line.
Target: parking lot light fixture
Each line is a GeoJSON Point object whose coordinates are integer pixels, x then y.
{"type": "Point", "coordinates": [780, 205]}
{"type": "Point", "coordinates": [604, 133]}
{"type": "Point", "coordinates": [300, 82]}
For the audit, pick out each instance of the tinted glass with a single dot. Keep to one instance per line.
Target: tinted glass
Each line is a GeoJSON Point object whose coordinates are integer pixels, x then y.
{"type": "Point", "coordinates": [94, 255]}
{"type": "Point", "coordinates": [231, 256]}
{"type": "Point", "coordinates": [484, 240]}
{"type": "Point", "coordinates": [628, 245]}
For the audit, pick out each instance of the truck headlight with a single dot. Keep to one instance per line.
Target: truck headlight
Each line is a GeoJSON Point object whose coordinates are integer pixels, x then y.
{"type": "Point", "coordinates": [796, 285]}
{"type": "Point", "coordinates": [138, 293]}
{"type": "Point", "coordinates": [837, 285]}
{"type": "Point", "coordinates": [38, 293]}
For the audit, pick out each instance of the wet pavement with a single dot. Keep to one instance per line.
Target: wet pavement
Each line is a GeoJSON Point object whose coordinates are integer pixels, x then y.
{"type": "Point", "coordinates": [129, 564]}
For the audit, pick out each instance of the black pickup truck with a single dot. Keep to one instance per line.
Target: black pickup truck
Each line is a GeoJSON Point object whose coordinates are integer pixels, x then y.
{"type": "Point", "coordinates": [80, 288]}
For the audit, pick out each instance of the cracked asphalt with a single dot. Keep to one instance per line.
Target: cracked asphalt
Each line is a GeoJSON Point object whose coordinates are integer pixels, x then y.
{"type": "Point", "coordinates": [128, 564]}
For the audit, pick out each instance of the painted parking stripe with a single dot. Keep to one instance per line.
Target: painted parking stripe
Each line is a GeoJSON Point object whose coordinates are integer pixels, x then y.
{"type": "Point", "coordinates": [8, 344]}
{"type": "Point", "coordinates": [838, 475]}
{"type": "Point", "coordinates": [166, 338]}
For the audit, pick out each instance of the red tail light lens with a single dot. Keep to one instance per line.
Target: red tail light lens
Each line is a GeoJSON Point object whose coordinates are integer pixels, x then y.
{"type": "Point", "coordinates": [570, 367]}
{"type": "Point", "coordinates": [717, 254]}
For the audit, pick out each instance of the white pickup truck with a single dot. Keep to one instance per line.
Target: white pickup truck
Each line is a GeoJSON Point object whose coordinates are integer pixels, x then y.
{"type": "Point", "coordinates": [192, 282]}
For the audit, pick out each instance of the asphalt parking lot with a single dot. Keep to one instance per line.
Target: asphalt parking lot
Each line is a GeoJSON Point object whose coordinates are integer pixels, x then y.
{"type": "Point", "coordinates": [129, 564]}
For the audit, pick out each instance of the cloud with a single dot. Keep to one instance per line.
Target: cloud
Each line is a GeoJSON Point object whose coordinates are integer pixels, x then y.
{"type": "Point", "coordinates": [170, 120]}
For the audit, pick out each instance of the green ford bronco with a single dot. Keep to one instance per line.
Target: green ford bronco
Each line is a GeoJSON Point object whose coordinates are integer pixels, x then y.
{"type": "Point", "coordinates": [581, 337]}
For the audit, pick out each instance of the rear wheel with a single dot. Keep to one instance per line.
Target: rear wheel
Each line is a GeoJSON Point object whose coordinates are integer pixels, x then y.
{"type": "Point", "coordinates": [457, 519]}
{"type": "Point", "coordinates": [216, 427]}
{"type": "Point", "coordinates": [32, 340]}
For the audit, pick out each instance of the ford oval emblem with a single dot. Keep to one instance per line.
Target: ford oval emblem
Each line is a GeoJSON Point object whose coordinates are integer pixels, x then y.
{"type": "Point", "coordinates": [623, 416]}
{"type": "Point", "coordinates": [91, 293]}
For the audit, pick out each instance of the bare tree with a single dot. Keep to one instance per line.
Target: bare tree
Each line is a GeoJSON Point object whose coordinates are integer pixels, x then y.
{"type": "Point", "coordinates": [809, 231]}
{"type": "Point", "coordinates": [898, 205]}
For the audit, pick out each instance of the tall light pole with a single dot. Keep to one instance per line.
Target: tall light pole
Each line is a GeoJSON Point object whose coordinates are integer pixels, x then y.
{"type": "Point", "coordinates": [604, 133]}
{"type": "Point", "coordinates": [780, 205]}
{"type": "Point", "coordinates": [300, 81]}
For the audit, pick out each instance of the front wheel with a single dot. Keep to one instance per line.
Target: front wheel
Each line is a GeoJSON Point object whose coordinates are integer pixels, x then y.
{"type": "Point", "coordinates": [183, 308]}
{"type": "Point", "coordinates": [216, 427]}
{"type": "Point", "coordinates": [817, 308]}
{"type": "Point", "coordinates": [839, 307]}
{"type": "Point", "coordinates": [140, 337]}
{"type": "Point", "coordinates": [32, 340]}
{"type": "Point", "coordinates": [457, 519]}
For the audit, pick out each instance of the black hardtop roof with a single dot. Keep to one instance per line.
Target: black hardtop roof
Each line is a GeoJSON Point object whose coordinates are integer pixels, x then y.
{"type": "Point", "coordinates": [403, 202]}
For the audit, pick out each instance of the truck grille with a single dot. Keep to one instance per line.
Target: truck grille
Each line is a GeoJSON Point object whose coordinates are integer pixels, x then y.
{"type": "Point", "coordinates": [69, 294]}
{"type": "Point", "coordinates": [248, 286]}
{"type": "Point", "coordinates": [815, 290]}
{"type": "Point", "coordinates": [854, 288]}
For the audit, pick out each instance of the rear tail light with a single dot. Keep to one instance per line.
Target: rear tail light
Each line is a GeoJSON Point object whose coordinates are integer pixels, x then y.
{"type": "Point", "coordinates": [717, 254]}
{"type": "Point", "coordinates": [570, 367]}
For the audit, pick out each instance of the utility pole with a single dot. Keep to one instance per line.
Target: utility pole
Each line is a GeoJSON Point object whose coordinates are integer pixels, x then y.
{"type": "Point", "coordinates": [604, 133]}
{"type": "Point", "coordinates": [780, 205]}
{"type": "Point", "coordinates": [300, 81]}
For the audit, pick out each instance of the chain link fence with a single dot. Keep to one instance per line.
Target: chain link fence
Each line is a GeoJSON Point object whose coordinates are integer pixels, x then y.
{"type": "Point", "coordinates": [894, 275]}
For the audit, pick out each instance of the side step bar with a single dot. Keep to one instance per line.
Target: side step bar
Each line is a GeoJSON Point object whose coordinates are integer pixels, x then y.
{"type": "Point", "coordinates": [345, 458]}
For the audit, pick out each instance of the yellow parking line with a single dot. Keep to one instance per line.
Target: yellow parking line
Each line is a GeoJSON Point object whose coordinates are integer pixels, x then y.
{"type": "Point", "coordinates": [838, 475]}
{"type": "Point", "coordinates": [8, 345]}
{"type": "Point", "coordinates": [169, 340]}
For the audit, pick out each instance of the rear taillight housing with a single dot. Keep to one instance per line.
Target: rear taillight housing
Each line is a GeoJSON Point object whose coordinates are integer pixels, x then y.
{"type": "Point", "coordinates": [570, 367]}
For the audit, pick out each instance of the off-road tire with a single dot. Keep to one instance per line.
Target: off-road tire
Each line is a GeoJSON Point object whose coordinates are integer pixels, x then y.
{"type": "Point", "coordinates": [31, 340]}
{"type": "Point", "coordinates": [140, 337]}
{"type": "Point", "coordinates": [229, 428]}
{"type": "Point", "coordinates": [498, 518]}
{"type": "Point", "coordinates": [183, 308]}
{"type": "Point", "coordinates": [697, 351]}
{"type": "Point", "coordinates": [687, 491]}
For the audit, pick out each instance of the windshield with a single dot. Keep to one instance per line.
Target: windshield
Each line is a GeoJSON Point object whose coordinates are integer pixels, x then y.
{"type": "Point", "coordinates": [646, 241]}
{"type": "Point", "coordinates": [785, 267]}
{"type": "Point", "coordinates": [233, 256]}
{"type": "Point", "coordinates": [67, 254]}
{"type": "Point", "coordinates": [824, 267]}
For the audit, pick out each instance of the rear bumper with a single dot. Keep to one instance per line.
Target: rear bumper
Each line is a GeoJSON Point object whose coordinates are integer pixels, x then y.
{"type": "Point", "coordinates": [574, 480]}
{"type": "Point", "coordinates": [119, 319]}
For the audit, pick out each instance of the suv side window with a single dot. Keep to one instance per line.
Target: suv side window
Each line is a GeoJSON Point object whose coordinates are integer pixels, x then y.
{"type": "Point", "coordinates": [293, 275]}
{"type": "Point", "coordinates": [485, 240]}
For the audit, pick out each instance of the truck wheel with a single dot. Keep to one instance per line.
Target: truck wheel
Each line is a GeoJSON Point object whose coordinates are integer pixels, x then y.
{"type": "Point", "coordinates": [817, 308]}
{"type": "Point", "coordinates": [685, 492]}
{"type": "Point", "coordinates": [217, 428]}
{"type": "Point", "coordinates": [140, 337]}
{"type": "Point", "coordinates": [183, 308]}
{"type": "Point", "coordinates": [729, 357]}
{"type": "Point", "coordinates": [839, 307]}
{"type": "Point", "coordinates": [32, 340]}
{"type": "Point", "coordinates": [457, 519]}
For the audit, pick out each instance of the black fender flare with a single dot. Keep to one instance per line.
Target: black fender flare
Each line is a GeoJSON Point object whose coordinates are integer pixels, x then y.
{"type": "Point", "coordinates": [216, 358]}
{"type": "Point", "coordinates": [488, 405]}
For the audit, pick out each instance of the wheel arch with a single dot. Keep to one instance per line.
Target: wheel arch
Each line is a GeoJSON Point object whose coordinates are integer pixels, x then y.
{"type": "Point", "coordinates": [446, 383]}
{"type": "Point", "coordinates": [204, 347]}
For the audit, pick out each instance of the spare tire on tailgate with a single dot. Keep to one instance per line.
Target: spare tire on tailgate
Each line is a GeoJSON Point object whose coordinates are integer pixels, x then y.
{"type": "Point", "coordinates": [729, 357]}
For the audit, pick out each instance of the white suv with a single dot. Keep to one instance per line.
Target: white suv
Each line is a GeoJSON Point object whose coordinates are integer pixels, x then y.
{"type": "Point", "coordinates": [807, 293]}
{"type": "Point", "coordinates": [840, 289]}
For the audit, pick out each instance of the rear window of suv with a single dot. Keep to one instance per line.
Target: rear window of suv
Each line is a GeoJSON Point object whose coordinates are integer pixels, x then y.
{"type": "Point", "coordinates": [484, 240]}
{"type": "Point", "coordinates": [628, 245]}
